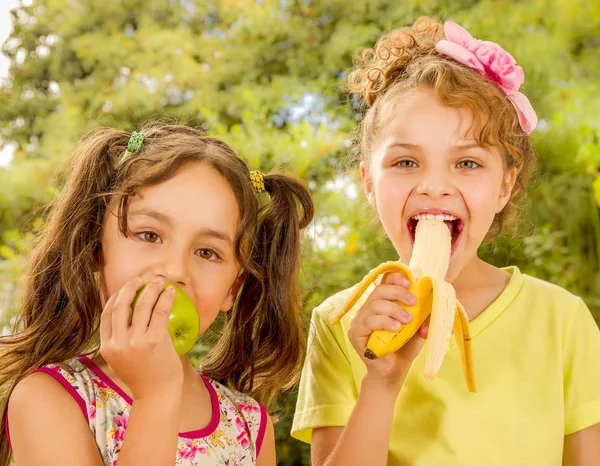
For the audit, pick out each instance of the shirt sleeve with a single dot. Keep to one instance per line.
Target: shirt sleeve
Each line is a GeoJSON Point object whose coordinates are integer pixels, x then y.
{"type": "Point", "coordinates": [582, 371]}
{"type": "Point", "coordinates": [327, 392]}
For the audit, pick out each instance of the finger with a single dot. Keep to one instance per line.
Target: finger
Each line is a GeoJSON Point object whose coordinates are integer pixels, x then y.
{"type": "Point", "coordinates": [381, 322]}
{"type": "Point", "coordinates": [424, 329]}
{"type": "Point", "coordinates": [121, 312]}
{"type": "Point", "coordinates": [365, 327]}
{"type": "Point", "coordinates": [388, 308]}
{"type": "Point", "coordinates": [160, 316]}
{"type": "Point", "coordinates": [395, 278]}
{"type": "Point", "coordinates": [106, 320]}
{"type": "Point", "coordinates": [145, 305]}
{"type": "Point", "coordinates": [393, 293]}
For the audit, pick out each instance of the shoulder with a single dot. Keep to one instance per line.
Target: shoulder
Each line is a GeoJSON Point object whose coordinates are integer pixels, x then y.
{"type": "Point", "coordinates": [548, 294]}
{"type": "Point", "coordinates": [35, 407]}
{"type": "Point", "coordinates": [38, 390]}
{"type": "Point", "coordinates": [50, 388]}
{"type": "Point", "coordinates": [245, 404]}
{"type": "Point", "coordinates": [552, 309]}
{"type": "Point", "coordinates": [266, 454]}
{"type": "Point", "coordinates": [249, 414]}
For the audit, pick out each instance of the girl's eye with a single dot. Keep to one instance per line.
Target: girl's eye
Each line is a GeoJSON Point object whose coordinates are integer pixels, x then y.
{"type": "Point", "coordinates": [207, 254]}
{"type": "Point", "coordinates": [468, 164]}
{"type": "Point", "coordinates": [406, 164]}
{"type": "Point", "coordinates": [149, 236]}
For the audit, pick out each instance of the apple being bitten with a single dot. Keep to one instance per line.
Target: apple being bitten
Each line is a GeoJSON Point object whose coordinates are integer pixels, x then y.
{"type": "Point", "coordinates": [184, 320]}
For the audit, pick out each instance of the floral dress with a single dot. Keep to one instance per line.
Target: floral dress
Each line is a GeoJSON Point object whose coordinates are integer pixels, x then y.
{"type": "Point", "coordinates": [233, 437]}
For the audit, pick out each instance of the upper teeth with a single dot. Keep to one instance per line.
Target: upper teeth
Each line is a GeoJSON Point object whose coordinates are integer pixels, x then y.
{"type": "Point", "coordinates": [439, 217]}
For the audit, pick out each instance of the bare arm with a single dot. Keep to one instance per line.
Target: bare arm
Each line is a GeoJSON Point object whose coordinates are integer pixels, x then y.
{"type": "Point", "coordinates": [143, 356]}
{"type": "Point", "coordinates": [583, 448]}
{"type": "Point", "coordinates": [267, 456]}
{"type": "Point", "coordinates": [366, 437]}
{"type": "Point", "coordinates": [46, 424]}
{"type": "Point", "coordinates": [47, 427]}
{"type": "Point", "coordinates": [151, 435]}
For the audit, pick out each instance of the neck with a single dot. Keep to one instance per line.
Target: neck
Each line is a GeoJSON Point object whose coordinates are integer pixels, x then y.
{"type": "Point", "coordinates": [190, 374]}
{"type": "Point", "coordinates": [477, 274]}
{"type": "Point", "coordinates": [478, 284]}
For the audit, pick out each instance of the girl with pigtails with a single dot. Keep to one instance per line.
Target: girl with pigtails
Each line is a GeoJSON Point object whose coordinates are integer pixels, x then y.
{"type": "Point", "coordinates": [143, 217]}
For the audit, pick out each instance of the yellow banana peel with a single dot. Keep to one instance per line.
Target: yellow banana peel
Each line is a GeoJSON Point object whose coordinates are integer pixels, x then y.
{"type": "Point", "coordinates": [435, 299]}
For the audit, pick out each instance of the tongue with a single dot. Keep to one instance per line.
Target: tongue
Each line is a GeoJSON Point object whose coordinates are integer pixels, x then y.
{"type": "Point", "coordinates": [450, 225]}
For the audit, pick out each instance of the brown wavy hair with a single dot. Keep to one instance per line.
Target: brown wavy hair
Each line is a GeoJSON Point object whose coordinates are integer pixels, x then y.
{"type": "Point", "coordinates": [405, 60]}
{"type": "Point", "coordinates": [261, 350]}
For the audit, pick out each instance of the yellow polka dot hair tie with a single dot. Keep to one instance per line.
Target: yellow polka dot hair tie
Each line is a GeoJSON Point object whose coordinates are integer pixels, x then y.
{"type": "Point", "coordinates": [258, 181]}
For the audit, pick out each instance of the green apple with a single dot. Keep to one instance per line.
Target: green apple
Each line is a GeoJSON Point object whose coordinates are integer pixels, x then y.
{"type": "Point", "coordinates": [184, 320]}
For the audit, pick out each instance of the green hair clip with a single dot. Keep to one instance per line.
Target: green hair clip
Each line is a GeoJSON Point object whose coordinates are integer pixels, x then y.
{"type": "Point", "coordinates": [134, 145]}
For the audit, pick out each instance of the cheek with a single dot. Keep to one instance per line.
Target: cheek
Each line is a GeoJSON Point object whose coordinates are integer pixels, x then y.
{"type": "Point", "coordinates": [120, 263]}
{"type": "Point", "coordinates": [391, 193]}
{"type": "Point", "coordinates": [113, 279]}
{"type": "Point", "coordinates": [482, 203]}
{"type": "Point", "coordinates": [210, 294]}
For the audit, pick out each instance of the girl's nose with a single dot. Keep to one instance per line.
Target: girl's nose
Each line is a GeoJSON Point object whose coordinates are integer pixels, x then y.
{"type": "Point", "coordinates": [173, 267]}
{"type": "Point", "coordinates": [436, 184]}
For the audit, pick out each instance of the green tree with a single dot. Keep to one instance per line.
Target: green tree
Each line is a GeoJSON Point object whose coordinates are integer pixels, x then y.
{"type": "Point", "coordinates": [267, 76]}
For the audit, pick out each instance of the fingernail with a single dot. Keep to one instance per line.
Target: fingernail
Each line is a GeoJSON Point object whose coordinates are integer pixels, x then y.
{"type": "Point", "coordinates": [158, 280]}
{"type": "Point", "coordinates": [138, 280]}
{"type": "Point", "coordinates": [396, 325]}
{"type": "Point", "coordinates": [411, 299]}
{"type": "Point", "coordinates": [171, 290]}
{"type": "Point", "coordinates": [408, 316]}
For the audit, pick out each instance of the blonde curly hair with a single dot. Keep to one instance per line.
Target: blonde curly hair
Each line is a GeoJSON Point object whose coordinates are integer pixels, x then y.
{"type": "Point", "coordinates": [406, 59]}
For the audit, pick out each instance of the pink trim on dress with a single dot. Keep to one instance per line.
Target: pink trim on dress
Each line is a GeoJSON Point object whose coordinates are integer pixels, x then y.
{"type": "Point", "coordinates": [262, 429]}
{"type": "Point", "coordinates": [193, 434]}
{"type": "Point", "coordinates": [214, 419]}
{"type": "Point", "coordinates": [105, 378]}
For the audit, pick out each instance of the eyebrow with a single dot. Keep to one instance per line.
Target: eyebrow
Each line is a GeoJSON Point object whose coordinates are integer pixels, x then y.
{"type": "Point", "coordinates": [145, 212]}
{"type": "Point", "coordinates": [407, 145]}
{"type": "Point", "coordinates": [162, 218]}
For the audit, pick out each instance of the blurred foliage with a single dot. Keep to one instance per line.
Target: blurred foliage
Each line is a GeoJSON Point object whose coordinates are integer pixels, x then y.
{"type": "Point", "coordinates": [267, 76]}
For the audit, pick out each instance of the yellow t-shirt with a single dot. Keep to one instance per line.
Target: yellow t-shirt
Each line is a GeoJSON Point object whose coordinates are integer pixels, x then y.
{"type": "Point", "coordinates": [536, 353]}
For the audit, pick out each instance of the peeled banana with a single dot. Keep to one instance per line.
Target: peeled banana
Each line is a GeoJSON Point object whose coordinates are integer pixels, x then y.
{"type": "Point", "coordinates": [435, 297]}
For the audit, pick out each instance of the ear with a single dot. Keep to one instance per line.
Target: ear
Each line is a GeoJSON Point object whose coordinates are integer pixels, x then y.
{"type": "Point", "coordinates": [508, 183]}
{"type": "Point", "coordinates": [367, 182]}
{"type": "Point", "coordinates": [233, 292]}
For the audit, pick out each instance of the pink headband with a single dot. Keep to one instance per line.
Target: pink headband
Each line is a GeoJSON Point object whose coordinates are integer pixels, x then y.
{"type": "Point", "coordinates": [492, 62]}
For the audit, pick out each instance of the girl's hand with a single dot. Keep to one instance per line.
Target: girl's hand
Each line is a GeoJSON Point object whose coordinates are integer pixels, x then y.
{"type": "Point", "coordinates": [380, 312]}
{"type": "Point", "coordinates": [138, 348]}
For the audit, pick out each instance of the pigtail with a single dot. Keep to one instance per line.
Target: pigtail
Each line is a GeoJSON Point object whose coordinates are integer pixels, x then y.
{"type": "Point", "coordinates": [60, 302]}
{"type": "Point", "coordinates": [264, 341]}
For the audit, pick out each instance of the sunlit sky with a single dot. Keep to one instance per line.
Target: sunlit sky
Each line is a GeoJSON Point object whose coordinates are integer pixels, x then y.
{"type": "Point", "coordinates": [5, 29]}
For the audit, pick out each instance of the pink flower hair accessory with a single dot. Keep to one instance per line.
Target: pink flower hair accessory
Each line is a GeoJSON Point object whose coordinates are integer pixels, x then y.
{"type": "Point", "coordinates": [493, 63]}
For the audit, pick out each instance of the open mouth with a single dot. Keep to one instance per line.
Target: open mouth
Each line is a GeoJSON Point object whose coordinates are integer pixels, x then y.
{"type": "Point", "coordinates": [454, 224]}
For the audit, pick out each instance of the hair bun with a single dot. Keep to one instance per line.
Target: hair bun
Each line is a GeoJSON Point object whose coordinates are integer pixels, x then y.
{"type": "Point", "coordinates": [378, 68]}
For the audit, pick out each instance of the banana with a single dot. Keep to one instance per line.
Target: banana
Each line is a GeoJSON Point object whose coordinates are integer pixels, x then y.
{"type": "Point", "coordinates": [435, 297]}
